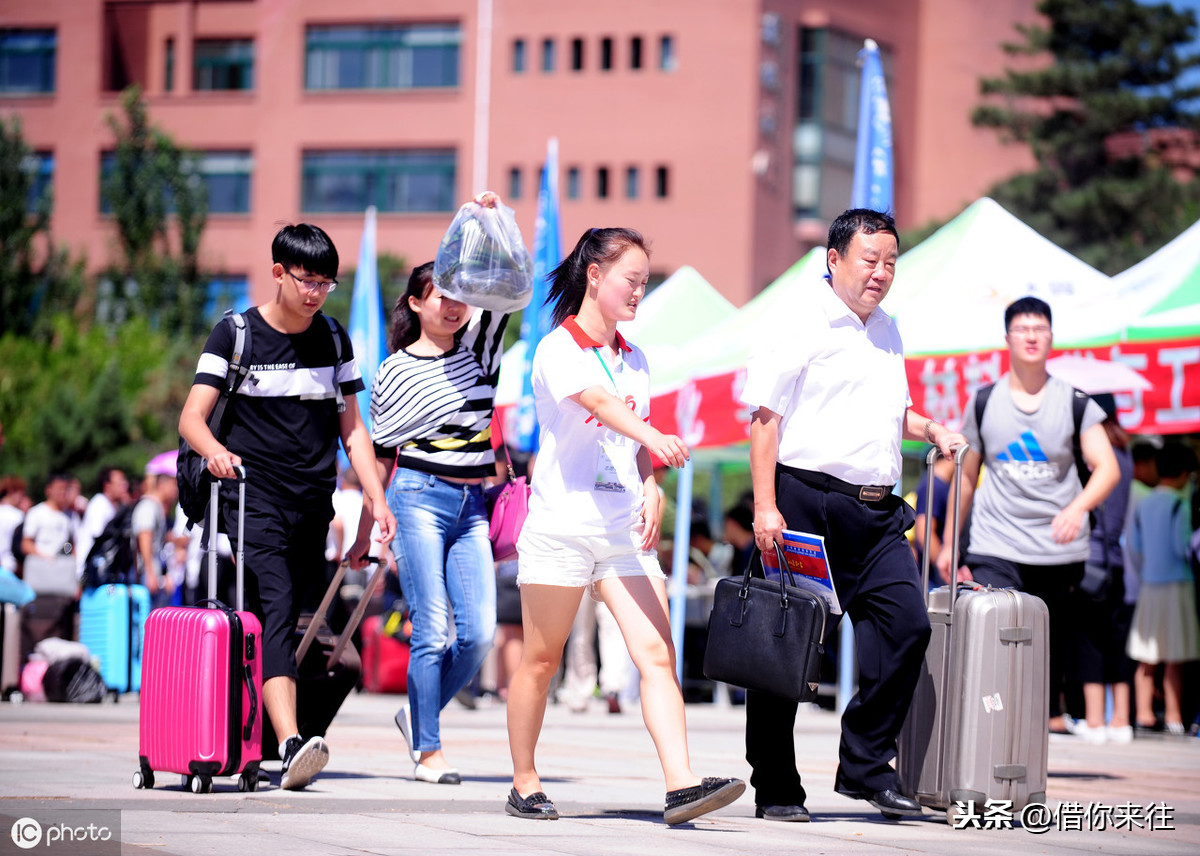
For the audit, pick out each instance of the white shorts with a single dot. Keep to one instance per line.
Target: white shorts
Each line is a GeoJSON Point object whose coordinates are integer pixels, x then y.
{"type": "Point", "coordinates": [576, 561]}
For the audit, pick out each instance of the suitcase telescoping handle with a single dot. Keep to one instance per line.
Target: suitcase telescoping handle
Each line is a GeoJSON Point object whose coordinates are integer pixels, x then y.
{"type": "Point", "coordinates": [210, 532]}
{"type": "Point", "coordinates": [356, 617]}
{"type": "Point", "coordinates": [960, 452]}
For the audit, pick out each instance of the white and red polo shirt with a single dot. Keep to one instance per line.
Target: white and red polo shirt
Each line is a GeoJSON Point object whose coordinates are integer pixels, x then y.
{"type": "Point", "coordinates": [585, 481]}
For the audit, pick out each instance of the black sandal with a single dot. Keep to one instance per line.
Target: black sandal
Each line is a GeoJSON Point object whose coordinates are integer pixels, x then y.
{"type": "Point", "coordinates": [711, 794]}
{"type": "Point", "coordinates": [536, 806]}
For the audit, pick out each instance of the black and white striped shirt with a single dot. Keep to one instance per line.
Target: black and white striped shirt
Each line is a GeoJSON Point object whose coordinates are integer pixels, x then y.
{"type": "Point", "coordinates": [434, 414]}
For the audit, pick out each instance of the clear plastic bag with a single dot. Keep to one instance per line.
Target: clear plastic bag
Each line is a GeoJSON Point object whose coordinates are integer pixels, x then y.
{"type": "Point", "coordinates": [482, 260]}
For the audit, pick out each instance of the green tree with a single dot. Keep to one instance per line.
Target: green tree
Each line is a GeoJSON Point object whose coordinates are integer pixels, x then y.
{"type": "Point", "coordinates": [37, 279]}
{"type": "Point", "coordinates": [159, 206]}
{"type": "Point", "coordinates": [83, 399]}
{"type": "Point", "coordinates": [1092, 70]}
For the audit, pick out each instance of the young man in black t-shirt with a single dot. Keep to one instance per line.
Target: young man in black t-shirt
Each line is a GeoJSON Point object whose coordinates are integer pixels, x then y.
{"type": "Point", "coordinates": [283, 425]}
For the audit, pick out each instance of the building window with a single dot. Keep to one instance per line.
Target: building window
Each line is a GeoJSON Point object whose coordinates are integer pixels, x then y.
{"type": "Point", "coordinates": [602, 182]}
{"type": "Point", "coordinates": [631, 182]}
{"type": "Point", "coordinates": [223, 64]}
{"type": "Point", "coordinates": [547, 54]}
{"type": "Point", "coordinates": [410, 180]}
{"type": "Point", "coordinates": [635, 53]}
{"type": "Point", "coordinates": [518, 55]}
{"type": "Point", "coordinates": [514, 183]}
{"type": "Point", "coordinates": [661, 182]}
{"type": "Point", "coordinates": [169, 70]}
{"type": "Point", "coordinates": [573, 182]}
{"type": "Point", "coordinates": [226, 176]}
{"type": "Point", "coordinates": [39, 166]}
{"type": "Point", "coordinates": [666, 53]}
{"type": "Point", "coordinates": [606, 54]}
{"type": "Point", "coordinates": [228, 291]}
{"type": "Point", "coordinates": [825, 134]}
{"type": "Point", "coordinates": [27, 61]}
{"type": "Point", "coordinates": [381, 57]}
{"type": "Point", "coordinates": [576, 54]}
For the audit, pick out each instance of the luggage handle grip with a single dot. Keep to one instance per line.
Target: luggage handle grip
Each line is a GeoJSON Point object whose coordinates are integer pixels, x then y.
{"type": "Point", "coordinates": [960, 452]}
{"type": "Point", "coordinates": [252, 716]}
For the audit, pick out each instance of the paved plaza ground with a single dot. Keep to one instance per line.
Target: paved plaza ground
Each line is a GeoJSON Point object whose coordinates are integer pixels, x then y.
{"type": "Point", "coordinates": [66, 766]}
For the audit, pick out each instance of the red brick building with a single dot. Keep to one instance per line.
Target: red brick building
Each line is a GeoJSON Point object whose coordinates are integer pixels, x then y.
{"type": "Point", "coordinates": [724, 129]}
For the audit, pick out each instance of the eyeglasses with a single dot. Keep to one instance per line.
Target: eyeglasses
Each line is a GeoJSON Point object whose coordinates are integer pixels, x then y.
{"type": "Point", "coordinates": [1039, 330]}
{"type": "Point", "coordinates": [313, 285]}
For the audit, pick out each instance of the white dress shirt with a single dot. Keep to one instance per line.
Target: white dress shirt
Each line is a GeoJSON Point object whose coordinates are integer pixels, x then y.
{"type": "Point", "coordinates": [839, 386]}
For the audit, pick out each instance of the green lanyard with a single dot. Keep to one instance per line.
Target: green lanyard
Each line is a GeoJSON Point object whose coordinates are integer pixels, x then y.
{"type": "Point", "coordinates": [616, 389]}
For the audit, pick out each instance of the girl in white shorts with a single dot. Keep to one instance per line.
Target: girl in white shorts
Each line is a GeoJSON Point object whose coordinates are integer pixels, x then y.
{"type": "Point", "coordinates": [594, 518]}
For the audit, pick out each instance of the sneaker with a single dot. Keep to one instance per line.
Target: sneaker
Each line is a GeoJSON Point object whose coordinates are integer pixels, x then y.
{"type": "Point", "coordinates": [1175, 729]}
{"type": "Point", "coordinates": [1080, 728]}
{"type": "Point", "coordinates": [1120, 734]}
{"type": "Point", "coordinates": [302, 761]}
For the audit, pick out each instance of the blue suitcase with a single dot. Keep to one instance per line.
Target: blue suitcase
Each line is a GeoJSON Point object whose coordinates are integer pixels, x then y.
{"type": "Point", "coordinates": [112, 619]}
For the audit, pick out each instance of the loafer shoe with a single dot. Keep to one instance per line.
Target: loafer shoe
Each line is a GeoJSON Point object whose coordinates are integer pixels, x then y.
{"type": "Point", "coordinates": [711, 794]}
{"type": "Point", "coordinates": [787, 813]}
{"type": "Point", "coordinates": [404, 723]}
{"type": "Point", "coordinates": [436, 777]}
{"type": "Point", "coordinates": [536, 806]}
{"type": "Point", "coordinates": [894, 804]}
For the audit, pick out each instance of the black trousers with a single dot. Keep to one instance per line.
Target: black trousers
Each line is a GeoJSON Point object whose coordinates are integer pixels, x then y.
{"type": "Point", "coordinates": [879, 588]}
{"type": "Point", "coordinates": [284, 560]}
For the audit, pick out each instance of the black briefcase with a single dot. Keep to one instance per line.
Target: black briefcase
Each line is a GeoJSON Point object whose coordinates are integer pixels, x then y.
{"type": "Point", "coordinates": [766, 635]}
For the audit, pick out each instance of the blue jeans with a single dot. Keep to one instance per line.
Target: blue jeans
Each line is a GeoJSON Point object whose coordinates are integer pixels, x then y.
{"type": "Point", "coordinates": [445, 565]}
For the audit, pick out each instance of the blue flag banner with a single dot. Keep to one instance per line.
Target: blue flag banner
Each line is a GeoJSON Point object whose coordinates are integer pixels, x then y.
{"type": "Point", "coordinates": [535, 320]}
{"type": "Point", "coordinates": [366, 316]}
{"type": "Point", "coordinates": [873, 156]}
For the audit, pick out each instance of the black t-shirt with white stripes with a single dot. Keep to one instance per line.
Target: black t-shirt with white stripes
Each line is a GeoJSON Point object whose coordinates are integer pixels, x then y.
{"type": "Point", "coordinates": [434, 414]}
{"type": "Point", "coordinates": [283, 420]}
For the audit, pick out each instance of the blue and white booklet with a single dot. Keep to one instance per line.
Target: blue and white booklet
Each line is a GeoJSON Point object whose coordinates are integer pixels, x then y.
{"type": "Point", "coordinates": [809, 564]}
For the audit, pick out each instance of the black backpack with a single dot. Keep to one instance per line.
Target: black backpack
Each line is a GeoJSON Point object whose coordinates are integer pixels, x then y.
{"type": "Point", "coordinates": [113, 557]}
{"type": "Point", "coordinates": [192, 474]}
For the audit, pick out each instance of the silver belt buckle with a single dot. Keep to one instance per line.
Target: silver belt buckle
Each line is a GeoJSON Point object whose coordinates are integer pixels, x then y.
{"type": "Point", "coordinates": [871, 493]}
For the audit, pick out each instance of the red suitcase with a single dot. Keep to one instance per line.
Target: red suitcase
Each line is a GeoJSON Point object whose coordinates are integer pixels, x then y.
{"type": "Point", "coordinates": [384, 659]}
{"type": "Point", "coordinates": [201, 698]}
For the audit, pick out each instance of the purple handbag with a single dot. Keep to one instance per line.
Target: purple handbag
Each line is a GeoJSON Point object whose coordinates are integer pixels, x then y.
{"type": "Point", "coordinates": [508, 506]}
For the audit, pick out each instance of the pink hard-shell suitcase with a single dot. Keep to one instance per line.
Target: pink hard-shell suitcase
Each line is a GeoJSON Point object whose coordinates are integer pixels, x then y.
{"type": "Point", "coordinates": [201, 698]}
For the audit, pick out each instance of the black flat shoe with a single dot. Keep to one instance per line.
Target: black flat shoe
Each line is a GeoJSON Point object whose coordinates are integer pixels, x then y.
{"type": "Point", "coordinates": [536, 806]}
{"type": "Point", "coordinates": [787, 813]}
{"type": "Point", "coordinates": [711, 794]}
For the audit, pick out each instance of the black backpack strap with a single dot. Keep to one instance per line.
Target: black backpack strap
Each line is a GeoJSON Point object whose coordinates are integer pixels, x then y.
{"type": "Point", "coordinates": [1079, 403]}
{"type": "Point", "coordinates": [337, 366]}
{"type": "Point", "coordinates": [981, 399]}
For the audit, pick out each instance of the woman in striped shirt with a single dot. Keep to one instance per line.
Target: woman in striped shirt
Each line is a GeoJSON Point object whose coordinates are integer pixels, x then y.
{"type": "Point", "coordinates": [431, 411]}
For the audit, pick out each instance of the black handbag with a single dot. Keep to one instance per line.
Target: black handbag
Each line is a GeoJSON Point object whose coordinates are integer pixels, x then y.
{"type": "Point", "coordinates": [766, 635]}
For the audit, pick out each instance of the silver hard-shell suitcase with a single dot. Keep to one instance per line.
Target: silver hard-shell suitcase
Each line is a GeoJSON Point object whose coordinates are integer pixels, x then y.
{"type": "Point", "coordinates": [976, 730]}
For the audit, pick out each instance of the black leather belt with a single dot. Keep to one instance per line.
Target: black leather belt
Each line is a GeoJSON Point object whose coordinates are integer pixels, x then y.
{"type": "Point", "coordinates": [824, 481]}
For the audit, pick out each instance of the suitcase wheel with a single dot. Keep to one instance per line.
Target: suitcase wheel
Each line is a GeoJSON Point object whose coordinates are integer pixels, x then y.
{"type": "Point", "coordinates": [200, 784]}
{"type": "Point", "coordinates": [143, 780]}
{"type": "Point", "coordinates": [248, 782]}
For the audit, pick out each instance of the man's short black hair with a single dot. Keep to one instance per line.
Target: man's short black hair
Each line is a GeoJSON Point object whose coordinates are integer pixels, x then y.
{"type": "Point", "coordinates": [1143, 452]}
{"type": "Point", "coordinates": [1027, 306]}
{"type": "Point", "coordinates": [854, 220]}
{"type": "Point", "coordinates": [305, 246]}
{"type": "Point", "coordinates": [1174, 459]}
